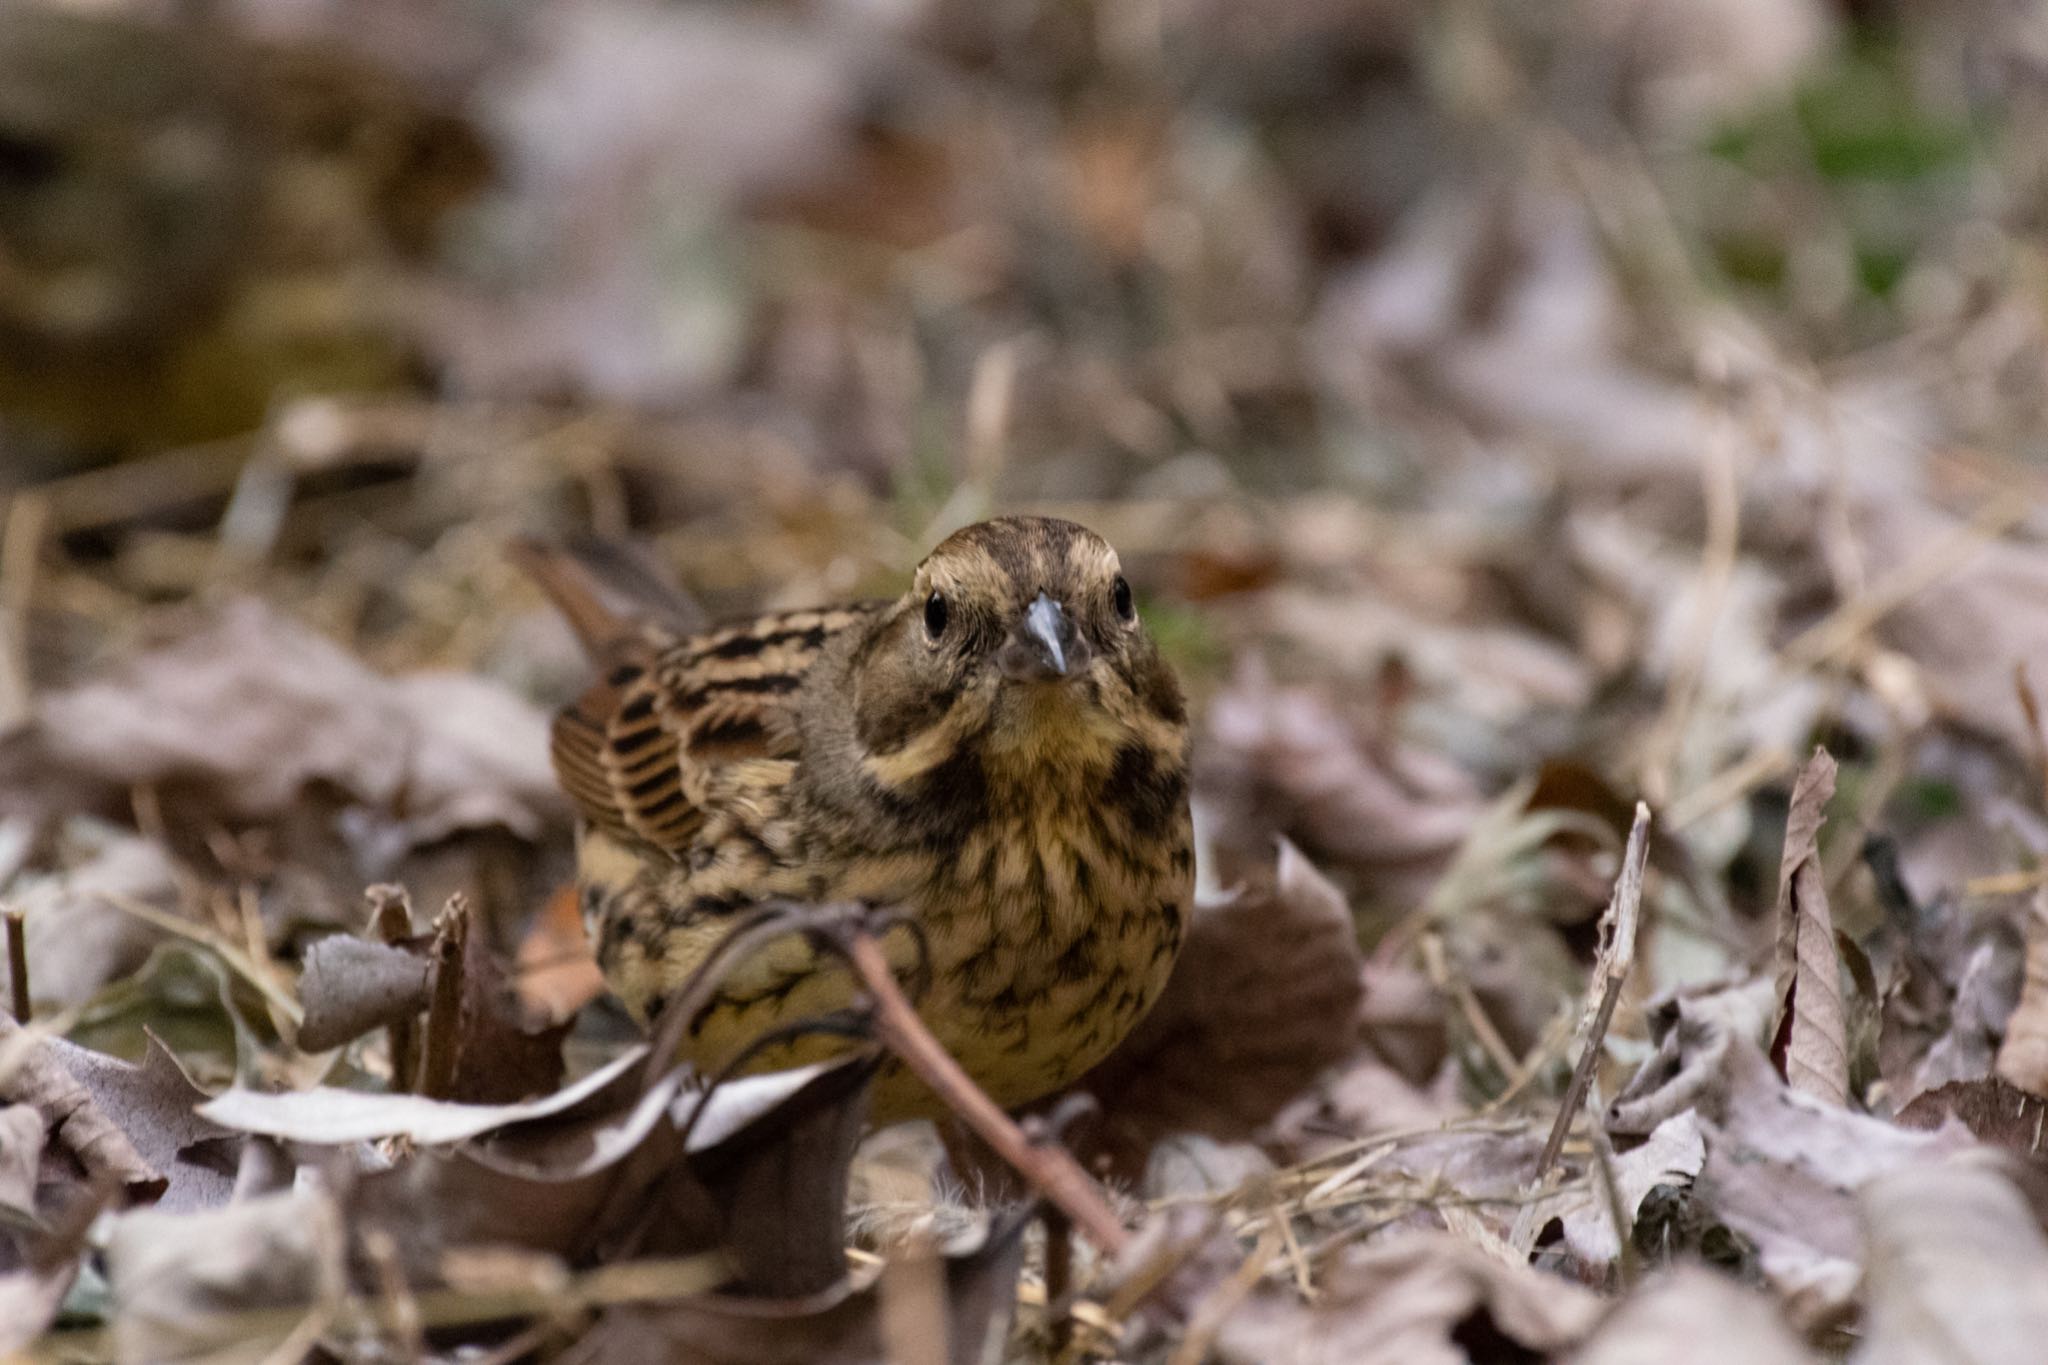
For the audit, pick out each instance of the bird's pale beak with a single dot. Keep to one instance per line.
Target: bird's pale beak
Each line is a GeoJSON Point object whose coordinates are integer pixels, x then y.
{"type": "Point", "coordinates": [1044, 645]}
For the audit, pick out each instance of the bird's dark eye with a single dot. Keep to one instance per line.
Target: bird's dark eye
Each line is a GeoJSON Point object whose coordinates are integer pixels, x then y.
{"type": "Point", "coordinates": [1120, 595]}
{"type": "Point", "coordinates": [935, 616]}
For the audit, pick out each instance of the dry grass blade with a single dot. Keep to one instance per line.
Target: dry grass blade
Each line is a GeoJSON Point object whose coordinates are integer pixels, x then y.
{"type": "Point", "coordinates": [1811, 1047]}
{"type": "Point", "coordinates": [275, 993]}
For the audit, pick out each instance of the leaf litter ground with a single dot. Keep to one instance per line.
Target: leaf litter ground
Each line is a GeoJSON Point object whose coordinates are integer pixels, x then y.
{"type": "Point", "coordinates": [1501, 425]}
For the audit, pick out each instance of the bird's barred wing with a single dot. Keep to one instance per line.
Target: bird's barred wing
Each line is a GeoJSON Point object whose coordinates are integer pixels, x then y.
{"type": "Point", "coordinates": [638, 750]}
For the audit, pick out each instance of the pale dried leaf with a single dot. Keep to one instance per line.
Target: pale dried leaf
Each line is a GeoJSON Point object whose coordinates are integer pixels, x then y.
{"type": "Point", "coordinates": [189, 1286]}
{"type": "Point", "coordinates": [559, 1183]}
{"type": "Point", "coordinates": [248, 708]}
{"type": "Point", "coordinates": [78, 939]}
{"type": "Point", "coordinates": [334, 1117]}
{"type": "Point", "coordinates": [1695, 1036]}
{"type": "Point", "coordinates": [1969, 629]}
{"type": "Point", "coordinates": [1813, 1030]}
{"type": "Point", "coordinates": [155, 1104]}
{"type": "Point", "coordinates": [1693, 1317]}
{"type": "Point", "coordinates": [1979, 1013]}
{"type": "Point", "coordinates": [351, 985]}
{"type": "Point", "coordinates": [1674, 1155]}
{"type": "Point", "coordinates": [1958, 1269]}
{"type": "Point", "coordinates": [22, 1133]}
{"type": "Point", "coordinates": [1783, 1169]}
{"type": "Point", "coordinates": [29, 1300]}
{"type": "Point", "coordinates": [1264, 998]}
{"type": "Point", "coordinates": [2023, 1056]}
{"type": "Point", "coordinates": [1401, 1302]}
{"type": "Point", "coordinates": [31, 1072]}
{"type": "Point", "coordinates": [762, 1178]}
{"type": "Point", "coordinates": [1284, 760]}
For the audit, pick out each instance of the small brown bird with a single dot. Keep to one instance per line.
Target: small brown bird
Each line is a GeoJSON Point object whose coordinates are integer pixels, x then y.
{"type": "Point", "coordinates": [1000, 753]}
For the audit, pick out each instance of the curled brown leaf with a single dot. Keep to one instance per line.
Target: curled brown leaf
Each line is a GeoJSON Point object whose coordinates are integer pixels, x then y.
{"type": "Point", "coordinates": [1811, 1047]}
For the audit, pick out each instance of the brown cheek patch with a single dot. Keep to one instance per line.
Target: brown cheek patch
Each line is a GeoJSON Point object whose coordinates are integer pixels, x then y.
{"type": "Point", "coordinates": [897, 711]}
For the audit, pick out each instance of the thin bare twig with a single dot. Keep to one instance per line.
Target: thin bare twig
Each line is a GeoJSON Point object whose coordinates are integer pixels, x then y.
{"type": "Point", "coordinates": [391, 923]}
{"type": "Point", "coordinates": [1617, 956]}
{"type": "Point", "coordinates": [1048, 1167]}
{"type": "Point", "coordinates": [17, 965]}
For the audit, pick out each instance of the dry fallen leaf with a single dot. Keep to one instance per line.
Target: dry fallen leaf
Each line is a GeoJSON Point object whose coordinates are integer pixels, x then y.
{"type": "Point", "coordinates": [247, 708]}
{"type": "Point", "coordinates": [1811, 1047]}
{"type": "Point", "coordinates": [22, 1132]}
{"type": "Point", "coordinates": [1673, 1155]}
{"type": "Point", "coordinates": [502, 1054]}
{"type": "Point", "coordinates": [334, 1117]}
{"type": "Point", "coordinates": [1782, 1167]}
{"type": "Point", "coordinates": [186, 1286]}
{"type": "Point", "coordinates": [155, 1105]}
{"type": "Point", "coordinates": [1412, 1300]}
{"type": "Point", "coordinates": [966, 1306]}
{"type": "Point", "coordinates": [32, 1073]}
{"type": "Point", "coordinates": [1957, 1270]}
{"type": "Point", "coordinates": [1978, 1014]}
{"type": "Point", "coordinates": [1993, 1109]}
{"type": "Point", "coordinates": [1693, 1317]}
{"type": "Point", "coordinates": [1264, 998]}
{"type": "Point", "coordinates": [2023, 1056]}
{"type": "Point", "coordinates": [1279, 760]}
{"type": "Point", "coordinates": [351, 985]}
{"type": "Point", "coordinates": [1695, 1035]}
{"type": "Point", "coordinates": [78, 939]}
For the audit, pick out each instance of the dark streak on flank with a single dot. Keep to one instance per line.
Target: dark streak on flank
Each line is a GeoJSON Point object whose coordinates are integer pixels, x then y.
{"type": "Point", "coordinates": [1148, 794]}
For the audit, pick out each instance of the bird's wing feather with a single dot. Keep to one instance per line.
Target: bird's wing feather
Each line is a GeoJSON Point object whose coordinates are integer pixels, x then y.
{"type": "Point", "coordinates": [637, 749]}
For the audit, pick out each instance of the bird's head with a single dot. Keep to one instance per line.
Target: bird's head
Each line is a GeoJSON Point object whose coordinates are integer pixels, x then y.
{"type": "Point", "coordinates": [1019, 636]}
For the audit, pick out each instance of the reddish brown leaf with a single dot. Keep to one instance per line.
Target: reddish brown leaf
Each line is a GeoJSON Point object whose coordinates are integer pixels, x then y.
{"type": "Point", "coordinates": [1993, 1109]}
{"type": "Point", "coordinates": [558, 973]}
